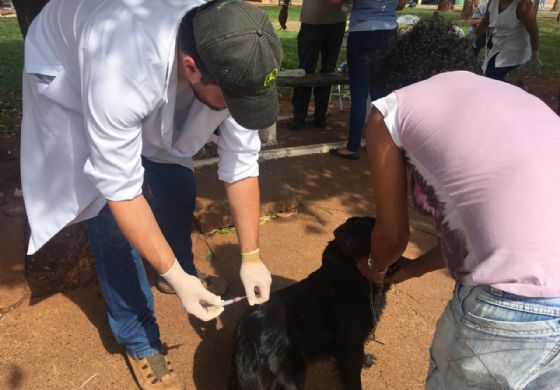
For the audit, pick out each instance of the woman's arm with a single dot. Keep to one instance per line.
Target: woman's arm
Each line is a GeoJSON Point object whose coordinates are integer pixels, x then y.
{"type": "Point", "coordinates": [407, 269]}
{"type": "Point", "coordinates": [388, 175]}
{"type": "Point", "coordinates": [525, 15]}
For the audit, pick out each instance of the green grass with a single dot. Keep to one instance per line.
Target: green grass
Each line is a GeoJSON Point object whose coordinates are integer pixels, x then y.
{"type": "Point", "coordinates": [11, 62]}
{"type": "Point", "coordinates": [272, 11]}
{"type": "Point", "coordinates": [11, 56]}
{"type": "Point", "coordinates": [550, 47]}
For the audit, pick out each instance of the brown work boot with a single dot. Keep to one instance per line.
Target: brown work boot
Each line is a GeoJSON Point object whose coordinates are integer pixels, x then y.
{"type": "Point", "coordinates": [155, 373]}
{"type": "Point", "coordinates": [214, 284]}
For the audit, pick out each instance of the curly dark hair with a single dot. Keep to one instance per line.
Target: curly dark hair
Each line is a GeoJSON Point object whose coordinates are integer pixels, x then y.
{"type": "Point", "coordinates": [432, 46]}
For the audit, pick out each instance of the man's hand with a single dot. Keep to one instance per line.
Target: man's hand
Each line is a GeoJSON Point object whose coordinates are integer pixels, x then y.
{"type": "Point", "coordinates": [195, 298]}
{"type": "Point", "coordinates": [283, 15]}
{"type": "Point", "coordinates": [255, 277]}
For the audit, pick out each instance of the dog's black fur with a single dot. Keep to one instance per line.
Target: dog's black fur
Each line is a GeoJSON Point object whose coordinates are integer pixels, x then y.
{"type": "Point", "coordinates": [326, 314]}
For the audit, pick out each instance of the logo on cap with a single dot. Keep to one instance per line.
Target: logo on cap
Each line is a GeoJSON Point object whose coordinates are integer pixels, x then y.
{"type": "Point", "coordinates": [270, 77]}
{"type": "Point", "coordinates": [223, 4]}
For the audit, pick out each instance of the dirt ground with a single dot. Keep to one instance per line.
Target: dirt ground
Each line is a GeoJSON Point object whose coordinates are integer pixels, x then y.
{"type": "Point", "coordinates": [61, 340]}
{"type": "Point", "coordinates": [56, 335]}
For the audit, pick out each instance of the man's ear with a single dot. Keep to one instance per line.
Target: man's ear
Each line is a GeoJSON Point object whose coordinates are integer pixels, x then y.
{"type": "Point", "coordinates": [188, 70]}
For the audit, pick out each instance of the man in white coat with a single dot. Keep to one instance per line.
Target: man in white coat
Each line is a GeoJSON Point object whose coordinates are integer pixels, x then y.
{"type": "Point", "coordinates": [113, 90]}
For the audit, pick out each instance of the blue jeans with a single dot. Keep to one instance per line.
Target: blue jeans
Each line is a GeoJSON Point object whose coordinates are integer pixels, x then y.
{"type": "Point", "coordinates": [490, 339]}
{"type": "Point", "coordinates": [120, 270]}
{"type": "Point", "coordinates": [361, 47]}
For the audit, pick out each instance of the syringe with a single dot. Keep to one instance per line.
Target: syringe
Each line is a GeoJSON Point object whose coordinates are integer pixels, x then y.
{"type": "Point", "coordinates": [233, 300]}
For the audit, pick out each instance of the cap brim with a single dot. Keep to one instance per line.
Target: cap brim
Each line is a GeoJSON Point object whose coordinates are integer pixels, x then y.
{"type": "Point", "coordinates": [255, 112]}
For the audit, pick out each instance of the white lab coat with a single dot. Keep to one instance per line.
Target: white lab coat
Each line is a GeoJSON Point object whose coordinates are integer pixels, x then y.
{"type": "Point", "coordinates": [100, 89]}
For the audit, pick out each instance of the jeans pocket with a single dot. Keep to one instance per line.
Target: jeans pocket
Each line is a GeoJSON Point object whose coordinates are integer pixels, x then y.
{"type": "Point", "coordinates": [511, 318]}
{"type": "Point", "coordinates": [432, 382]}
{"type": "Point", "coordinates": [501, 344]}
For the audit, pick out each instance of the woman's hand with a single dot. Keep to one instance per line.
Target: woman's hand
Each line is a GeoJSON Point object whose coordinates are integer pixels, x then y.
{"type": "Point", "coordinates": [400, 271]}
{"type": "Point", "coordinates": [368, 273]}
{"type": "Point", "coordinates": [403, 269]}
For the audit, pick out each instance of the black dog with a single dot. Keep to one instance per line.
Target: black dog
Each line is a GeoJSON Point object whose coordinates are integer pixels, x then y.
{"type": "Point", "coordinates": [330, 313]}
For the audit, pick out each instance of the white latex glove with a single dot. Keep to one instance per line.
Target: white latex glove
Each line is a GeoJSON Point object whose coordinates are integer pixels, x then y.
{"type": "Point", "coordinates": [192, 294]}
{"type": "Point", "coordinates": [535, 62]}
{"type": "Point", "coordinates": [254, 274]}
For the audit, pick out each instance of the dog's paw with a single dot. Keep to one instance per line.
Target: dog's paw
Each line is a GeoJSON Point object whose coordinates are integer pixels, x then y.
{"type": "Point", "coordinates": [368, 360]}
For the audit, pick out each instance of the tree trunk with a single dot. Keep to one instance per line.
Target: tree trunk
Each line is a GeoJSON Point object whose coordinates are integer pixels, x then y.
{"type": "Point", "coordinates": [556, 6]}
{"type": "Point", "coordinates": [26, 11]}
{"type": "Point", "coordinates": [468, 9]}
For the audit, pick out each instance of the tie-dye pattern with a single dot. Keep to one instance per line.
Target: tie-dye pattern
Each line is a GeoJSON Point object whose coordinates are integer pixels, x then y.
{"type": "Point", "coordinates": [486, 170]}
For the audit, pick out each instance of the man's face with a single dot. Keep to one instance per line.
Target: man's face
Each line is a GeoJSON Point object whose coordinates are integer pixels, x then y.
{"type": "Point", "coordinates": [209, 94]}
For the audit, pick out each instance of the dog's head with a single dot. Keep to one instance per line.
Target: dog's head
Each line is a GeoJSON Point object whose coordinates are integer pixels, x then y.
{"type": "Point", "coordinates": [351, 243]}
{"type": "Point", "coordinates": [353, 237]}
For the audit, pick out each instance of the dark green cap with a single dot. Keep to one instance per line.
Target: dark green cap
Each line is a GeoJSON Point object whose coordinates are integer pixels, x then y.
{"type": "Point", "coordinates": [238, 46]}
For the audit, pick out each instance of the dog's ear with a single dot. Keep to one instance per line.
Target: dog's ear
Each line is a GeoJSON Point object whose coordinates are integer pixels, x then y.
{"type": "Point", "coordinates": [353, 236]}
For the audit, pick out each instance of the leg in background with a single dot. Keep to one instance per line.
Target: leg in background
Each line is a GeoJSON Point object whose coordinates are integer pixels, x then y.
{"type": "Point", "coordinates": [308, 54]}
{"type": "Point", "coordinates": [330, 48]}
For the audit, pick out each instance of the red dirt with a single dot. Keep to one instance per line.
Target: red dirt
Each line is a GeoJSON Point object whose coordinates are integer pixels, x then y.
{"type": "Point", "coordinates": [60, 340]}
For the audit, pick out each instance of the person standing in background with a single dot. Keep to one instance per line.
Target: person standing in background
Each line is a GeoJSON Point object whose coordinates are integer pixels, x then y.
{"type": "Point", "coordinates": [321, 33]}
{"type": "Point", "coordinates": [373, 24]}
{"type": "Point", "coordinates": [515, 37]}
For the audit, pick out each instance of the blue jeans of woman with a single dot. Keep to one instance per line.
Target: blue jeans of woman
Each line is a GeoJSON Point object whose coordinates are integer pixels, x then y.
{"type": "Point", "coordinates": [491, 339]}
{"type": "Point", "coordinates": [120, 270]}
{"type": "Point", "coordinates": [361, 48]}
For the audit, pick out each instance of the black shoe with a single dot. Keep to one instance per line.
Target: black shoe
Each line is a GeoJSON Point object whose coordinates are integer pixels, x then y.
{"type": "Point", "coordinates": [348, 156]}
{"type": "Point", "coordinates": [320, 123]}
{"type": "Point", "coordinates": [297, 124]}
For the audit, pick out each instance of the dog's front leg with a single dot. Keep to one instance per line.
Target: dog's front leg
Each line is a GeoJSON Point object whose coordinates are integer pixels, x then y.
{"type": "Point", "coordinates": [349, 362]}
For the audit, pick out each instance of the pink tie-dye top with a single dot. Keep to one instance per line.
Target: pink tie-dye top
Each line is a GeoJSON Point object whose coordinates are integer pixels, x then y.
{"type": "Point", "coordinates": [484, 161]}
